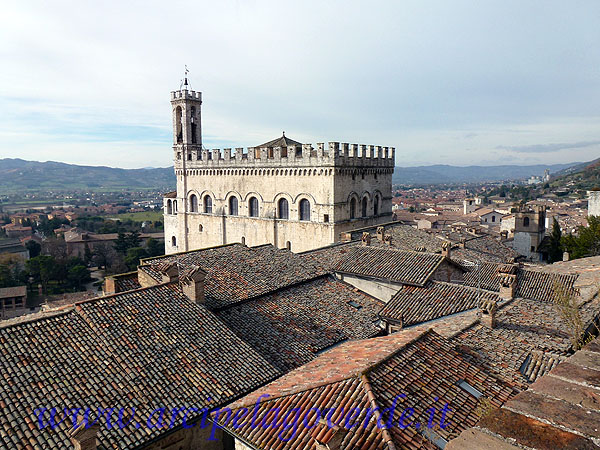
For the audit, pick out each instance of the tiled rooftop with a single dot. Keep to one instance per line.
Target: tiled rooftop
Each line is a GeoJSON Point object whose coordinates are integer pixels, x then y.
{"type": "Point", "coordinates": [405, 267]}
{"type": "Point", "coordinates": [422, 366]}
{"type": "Point", "coordinates": [236, 272]}
{"type": "Point", "coordinates": [560, 410]}
{"type": "Point", "coordinates": [290, 327]}
{"type": "Point", "coordinates": [142, 348]}
{"type": "Point", "coordinates": [531, 284]}
{"type": "Point", "coordinates": [528, 340]}
{"type": "Point", "coordinates": [413, 305]}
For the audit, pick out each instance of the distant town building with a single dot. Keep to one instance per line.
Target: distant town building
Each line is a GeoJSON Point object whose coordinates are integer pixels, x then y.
{"type": "Point", "coordinates": [593, 203]}
{"type": "Point", "coordinates": [530, 230]}
{"type": "Point", "coordinates": [13, 302]}
{"type": "Point", "coordinates": [471, 204]}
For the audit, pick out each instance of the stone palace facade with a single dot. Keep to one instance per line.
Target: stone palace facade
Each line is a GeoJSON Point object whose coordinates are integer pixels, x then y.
{"type": "Point", "coordinates": [285, 193]}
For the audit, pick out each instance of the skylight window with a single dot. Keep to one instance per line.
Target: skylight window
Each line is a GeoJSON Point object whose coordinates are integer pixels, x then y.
{"type": "Point", "coordinates": [354, 304]}
{"type": "Point", "coordinates": [468, 388]}
{"type": "Point", "coordinates": [434, 438]}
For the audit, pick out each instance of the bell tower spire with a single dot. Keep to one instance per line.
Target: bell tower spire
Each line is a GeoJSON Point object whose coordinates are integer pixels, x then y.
{"type": "Point", "coordinates": [187, 128]}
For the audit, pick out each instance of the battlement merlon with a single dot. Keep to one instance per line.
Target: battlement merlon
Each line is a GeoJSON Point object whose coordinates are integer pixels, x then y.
{"type": "Point", "coordinates": [186, 95]}
{"type": "Point", "coordinates": [336, 154]}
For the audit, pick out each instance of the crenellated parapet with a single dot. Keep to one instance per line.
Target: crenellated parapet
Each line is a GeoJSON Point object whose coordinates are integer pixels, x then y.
{"type": "Point", "coordinates": [334, 154]}
{"type": "Point", "coordinates": [184, 94]}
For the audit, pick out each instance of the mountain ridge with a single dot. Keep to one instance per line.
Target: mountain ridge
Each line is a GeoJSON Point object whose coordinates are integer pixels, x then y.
{"type": "Point", "coordinates": [19, 175]}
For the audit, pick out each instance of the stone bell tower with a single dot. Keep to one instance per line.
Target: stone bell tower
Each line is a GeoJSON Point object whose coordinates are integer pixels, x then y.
{"type": "Point", "coordinates": [187, 145]}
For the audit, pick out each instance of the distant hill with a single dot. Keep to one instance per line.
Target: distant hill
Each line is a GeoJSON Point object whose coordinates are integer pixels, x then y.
{"type": "Point", "coordinates": [444, 174]}
{"type": "Point", "coordinates": [17, 175]}
{"type": "Point", "coordinates": [584, 176]}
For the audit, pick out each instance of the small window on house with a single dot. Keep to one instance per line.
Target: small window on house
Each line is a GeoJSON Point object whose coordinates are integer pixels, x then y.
{"type": "Point", "coordinates": [375, 175]}
{"type": "Point", "coordinates": [175, 206]}
{"type": "Point", "coordinates": [493, 218]}
{"type": "Point", "coordinates": [200, 228]}
{"type": "Point", "coordinates": [288, 245]}
{"type": "Point", "coordinates": [207, 204]}
{"type": "Point", "coordinates": [304, 209]}
{"type": "Point", "coordinates": [173, 241]}
{"type": "Point", "coordinates": [353, 176]}
{"type": "Point", "coordinates": [532, 248]}
{"type": "Point", "coordinates": [169, 207]}
{"type": "Point", "coordinates": [326, 218]}
{"type": "Point", "coordinates": [526, 222]}
{"type": "Point", "coordinates": [362, 175]}
{"type": "Point", "coordinates": [233, 206]}
{"type": "Point", "coordinates": [189, 156]}
{"type": "Point", "coordinates": [243, 240]}
{"type": "Point", "coordinates": [253, 207]}
{"type": "Point", "coordinates": [364, 207]}
{"type": "Point", "coordinates": [283, 209]}
{"type": "Point", "coordinates": [468, 388]}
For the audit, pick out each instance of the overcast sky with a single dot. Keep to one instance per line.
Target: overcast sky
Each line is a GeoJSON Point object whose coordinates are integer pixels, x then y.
{"type": "Point", "coordinates": [450, 82]}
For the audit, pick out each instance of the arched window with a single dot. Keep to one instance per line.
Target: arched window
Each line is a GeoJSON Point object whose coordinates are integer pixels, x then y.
{"type": "Point", "coordinates": [526, 222]}
{"type": "Point", "coordinates": [304, 209]}
{"type": "Point", "coordinates": [253, 207]}
{"type": "Point", "coordinates": [493, 218]}
{"type": "Point", "coordinates": [169, 207]}
{"type": "Point", "coordinates": [207, 204]}
{"type": "Point", "coordinates": [376, 206]}
{"type": "Point", "coordinates": [233, 206]}
{"type": "Point", "coordinates": [178, 125]}
{"type": "Point", "coordinates": [283, 209]}
{"type": "Point", "coordinates": [364, 207]}
{"type": "Point", "coordinates": [353, 208]}
{"type": "Point", "coordinates": [193, 124]}
{"type": "Point", "coordinates": [288, 245]}
{"type": "Point", "coordinates": [174, 206]}
{"type": "Point", "coordinates": [193, 203]}
{"type": "Point", "coordinates": [174, 241]}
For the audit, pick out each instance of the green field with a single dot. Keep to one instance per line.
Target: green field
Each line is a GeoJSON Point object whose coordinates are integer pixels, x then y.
{"type": "Point", "coordinates": [149, 216]}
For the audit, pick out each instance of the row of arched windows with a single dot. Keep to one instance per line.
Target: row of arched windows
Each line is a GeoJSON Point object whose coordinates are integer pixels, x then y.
{"type": "Point", "coordinates": [363, 207]}
{"type": "Point", "coordinates": [283, 210]}
{"type": "Point", "coordinates": [171, 206]}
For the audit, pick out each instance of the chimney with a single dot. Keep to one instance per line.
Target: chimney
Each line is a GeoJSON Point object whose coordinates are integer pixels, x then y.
{"type": "Point", "coordinates": [488, 312]}
{"type": "Point", "coordinates": [192, 283]}
{"type": "Point", "coordinates": [387, 239]}
{"type": "Point", "coordinates": [462, 243]}
{"type": "Point", "coordinates": [380, 233]}
{"type": "Point", "coordinates": [346, 236]}
{"type": "Point", "coordinates": [508, 282]}
{"type": "Point", "coordinates": [366, 238]}
{"type": "Point", "coordinates": [566, 256]}
{"type": "Point", "coordinates": [109, 286]}
{"type": "Point", "coordinates": [446, 249]}
{"type": "Point", "coordinates": [168, 271]}
{"type": "Point", "coordinates": [84, 438]}
{"type": "Point", "coordinates": [333, 442]}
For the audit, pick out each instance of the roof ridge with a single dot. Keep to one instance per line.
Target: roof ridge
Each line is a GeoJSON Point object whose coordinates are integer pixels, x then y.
{"type": "Point", "coordinates": [95, 299]}
{"type": "Point", "coordinates": [392, 354]}
{"type": "Point", "coordinates": [189, 251]}
{"type": "Point", "coordinates": [376, 411]}
{"type": "Point", "coordinates": [36, 317]}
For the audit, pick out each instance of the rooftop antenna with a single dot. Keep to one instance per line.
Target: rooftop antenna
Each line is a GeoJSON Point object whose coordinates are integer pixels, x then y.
{"type": "Point", "coordinates": [185, 84]}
